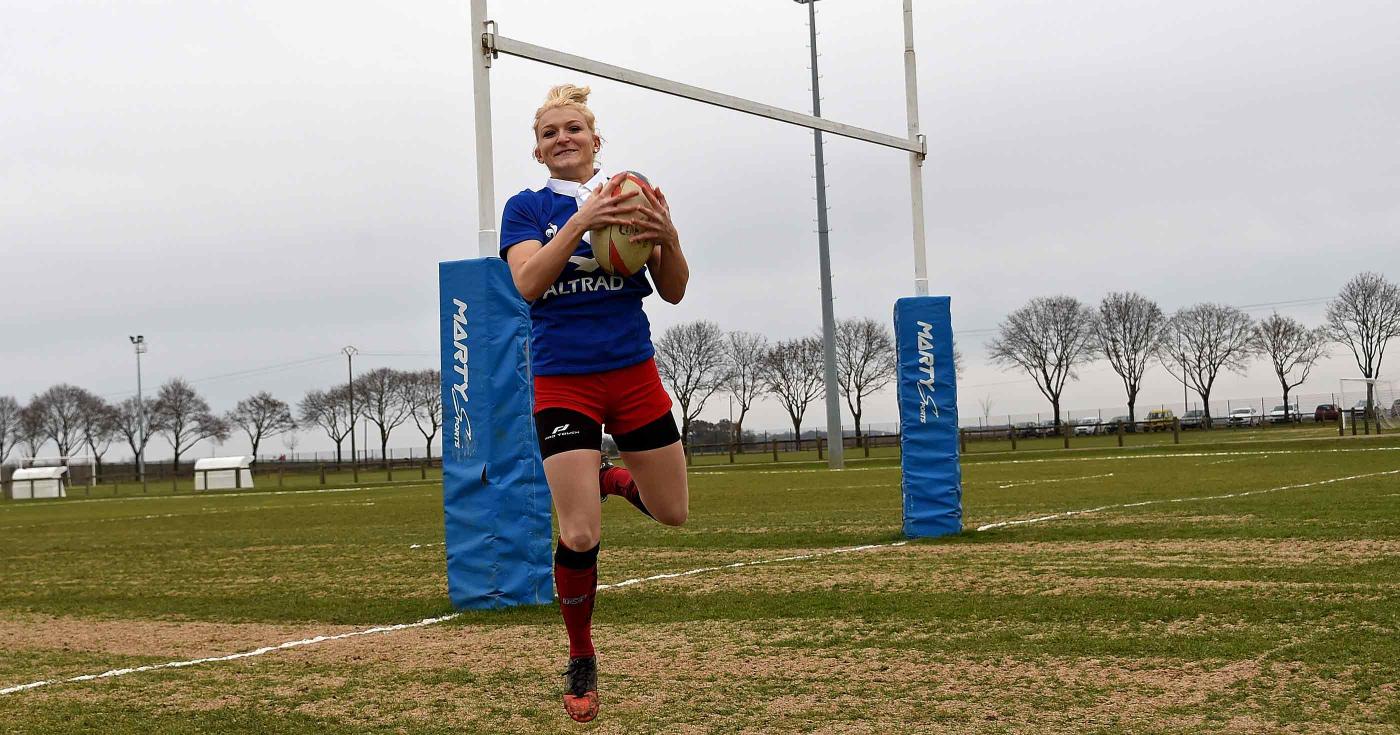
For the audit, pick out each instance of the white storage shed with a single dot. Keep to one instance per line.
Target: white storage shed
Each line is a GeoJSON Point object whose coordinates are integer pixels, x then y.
{"type": "Point", "coordinates": [39, 482]}
{"type": "Point", "coordinates": [223, 473]}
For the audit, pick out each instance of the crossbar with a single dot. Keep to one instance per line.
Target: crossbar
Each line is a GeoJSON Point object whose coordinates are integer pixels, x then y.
{"type": "Point", "coordinates": [496, 43]}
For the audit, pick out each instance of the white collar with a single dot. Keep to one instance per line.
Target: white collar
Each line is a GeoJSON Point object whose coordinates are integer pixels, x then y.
{"type": "Point", "coordinates": [580, 192]}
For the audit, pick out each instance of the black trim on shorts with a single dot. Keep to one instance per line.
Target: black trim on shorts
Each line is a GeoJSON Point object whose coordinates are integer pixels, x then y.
{"type": "Point", "coordinates": [564, 430]}
{"type": "Point", "coordinates": [655, 435]}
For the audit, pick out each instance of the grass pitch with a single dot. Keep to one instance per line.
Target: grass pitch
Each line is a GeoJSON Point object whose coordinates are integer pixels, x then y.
{"type": "Point", "coordinates": [1248, 586]}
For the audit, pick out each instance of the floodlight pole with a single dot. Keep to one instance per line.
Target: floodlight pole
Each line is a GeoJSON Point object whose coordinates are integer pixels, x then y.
{"type": "Point", "coordinates": [836, 458]}
{"type": "Point", "coordinates": [350, 353]}
{"type": "Point", "coordinates": [139, 342]}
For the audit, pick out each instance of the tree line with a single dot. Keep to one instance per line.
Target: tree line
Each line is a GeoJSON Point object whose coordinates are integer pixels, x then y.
{"type": "Point", "coordinates": [1050, 337]}
{"type": "Point", "coordinates": [698, 360]}
{"type": "Point", "coordinates": [75, 419]}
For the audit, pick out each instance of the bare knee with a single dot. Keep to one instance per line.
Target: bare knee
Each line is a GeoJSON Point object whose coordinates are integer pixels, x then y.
{"type": "Point", "coordinates": [579, 540]}
{"type": "Point", "coordinates": [671, 516]}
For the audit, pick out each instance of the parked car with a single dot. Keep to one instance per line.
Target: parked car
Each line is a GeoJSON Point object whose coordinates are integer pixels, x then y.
{"type": "Point", "coordinates": [1326, 412]}
{"type": "Point", "coordinates": [1159, 419]}
{"type": "Point", "coordinates": [1244, 417]}
{"type": "Point", "coordinates": [1047, 428]}
{"type": "Point", "coordinates": [1111, 426]}
{"type": "Point", "coordinates": [1395, 408]}
{"type": "Point", "coordinates": [1025, 429]}
{"type": "Point", "coordinates": [1359, 410]}
{"type": "Point", "coordinates": [1087, 426]}
{"type": "Point", "coordinates": [1193, 419]}
{"type": "Point", "coordinates": [1285, 414]}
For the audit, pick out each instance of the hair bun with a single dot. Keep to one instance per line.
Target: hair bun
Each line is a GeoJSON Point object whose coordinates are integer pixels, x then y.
{"type": "Point", "coordinates": [566, 94]}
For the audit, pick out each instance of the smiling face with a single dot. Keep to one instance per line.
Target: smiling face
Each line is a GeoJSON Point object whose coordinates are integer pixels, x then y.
{"type": "Point", "coordinates": [566, 144]}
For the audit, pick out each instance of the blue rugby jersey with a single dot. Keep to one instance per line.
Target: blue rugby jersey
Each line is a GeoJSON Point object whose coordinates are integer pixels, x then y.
{"type": "Point", "coordinates": [587, 321]}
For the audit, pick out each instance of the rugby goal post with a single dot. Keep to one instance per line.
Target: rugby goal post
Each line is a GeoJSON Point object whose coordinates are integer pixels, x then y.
{"type": "Point", "coordinates": [478, 363]}
{"type": "Point", "coordinates": [494, 44]}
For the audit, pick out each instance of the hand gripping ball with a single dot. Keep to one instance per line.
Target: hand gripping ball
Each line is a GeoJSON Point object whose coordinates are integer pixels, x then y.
{"type": "Point", "coordinates": [612, 244]}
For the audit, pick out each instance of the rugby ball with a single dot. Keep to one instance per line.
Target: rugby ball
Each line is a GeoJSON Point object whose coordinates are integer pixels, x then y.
{"type": "Point", "coordinates": [612, 244]}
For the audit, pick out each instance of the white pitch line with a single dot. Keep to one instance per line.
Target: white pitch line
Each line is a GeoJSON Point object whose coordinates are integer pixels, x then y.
{"type": "Point", "coordinates": [404, 626]}
{"type": "Point", "coordinates": [232, 656]}
{"type": "Point", "coordinates": [1184, 455]}
{"type": "Point", "coordinates": [212, 496]}
{"type": "Point", "coordinates": [1069, 513]}
{"type": "Point", "coordinates": [1104, 458]}
{"type": "Point", "coordinates": [1056, 479]}
{"type": "Point", "coordinates": [736, 565]}
{"type": "Point", "coordinates": [202, 512]}
{"type": "Point", "coordinates": [743, 473]}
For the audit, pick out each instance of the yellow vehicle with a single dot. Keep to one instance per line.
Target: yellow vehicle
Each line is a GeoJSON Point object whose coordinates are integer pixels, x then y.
{"type": "Point", "coordinates": [1159, 419]}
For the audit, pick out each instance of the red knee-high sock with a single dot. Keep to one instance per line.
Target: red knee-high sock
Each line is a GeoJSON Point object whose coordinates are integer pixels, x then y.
{"type": "Point", "coordinates": [576, 583]}
{"type": "Point", "coordinates": [618, 481]}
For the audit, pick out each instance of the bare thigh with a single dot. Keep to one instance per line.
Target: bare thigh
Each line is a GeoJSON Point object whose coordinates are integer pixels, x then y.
{"type": "Point", "coordinates": [661, 480]}
{"type": "Point", "coordinates": [573, 483]}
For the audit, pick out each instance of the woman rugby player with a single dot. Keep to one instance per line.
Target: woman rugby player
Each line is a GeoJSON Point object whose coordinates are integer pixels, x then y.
{"type": "Point", "coordinates": [591, 354]}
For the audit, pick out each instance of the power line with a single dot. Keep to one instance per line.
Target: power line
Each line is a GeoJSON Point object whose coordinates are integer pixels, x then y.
{"type": "Point", "coordinates": [267, 368]}
{"type": "Point", "coordinates": [262, 370]}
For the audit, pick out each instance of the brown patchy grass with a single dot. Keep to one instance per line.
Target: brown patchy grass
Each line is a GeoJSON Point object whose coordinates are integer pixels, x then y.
{"type": "Point", "coordinates": [653, 674]}
{"type": "Point", "coordinates": [178, 640]}
{"type": "Point", "coordinates": [1059, 568]}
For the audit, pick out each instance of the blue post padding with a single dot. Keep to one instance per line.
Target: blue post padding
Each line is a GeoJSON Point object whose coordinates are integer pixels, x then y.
{"type": "Point", "coordinates": [495, 500]}
{"type": "Point", "coordinates": [928, 417]}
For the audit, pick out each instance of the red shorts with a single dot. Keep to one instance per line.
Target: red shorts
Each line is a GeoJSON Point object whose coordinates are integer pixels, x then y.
{"type": "Point", "coordinates": [625, 399]}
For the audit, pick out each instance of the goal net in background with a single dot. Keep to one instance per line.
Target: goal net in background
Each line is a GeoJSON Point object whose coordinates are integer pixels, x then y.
{"type": "Point", "coordinates": [1364, 411]}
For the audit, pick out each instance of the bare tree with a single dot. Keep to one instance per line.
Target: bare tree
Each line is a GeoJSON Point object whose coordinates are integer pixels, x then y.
{"type": "Point", "coordinates": [381, 396]}
{"type": "Point", "coordinates": [1365, 316]}
{"type": "Point", "coordinates": [986, 404]}
{"type": "Point", "coordinates": [1292, 348]}
{"type": "Point", "coordinates": [743, 353]}
{"type": "Point", "coordinates": [184, 418]}
{"type": "Point", "coordinates": [1129, 332]}
{"type": "Point", "coordinates": [261, 416]}
{"type": "Point", "coordinates": [690, 358]}
{"type": "Point", "coordinates": [9, 424]}
{"type": "Point", "coordinates": [1047, 338]}
{"type": "Point", "coordinates": [128, 416]}
{"type": "Point", "coordinates": [290, 440]}
{"type": "Point", "coordinates": [61, 409]}
{"type": "Point", "coordinates": [97, 426]}
{"type": "Point", "coordinates": [330, 410]}
{"type": "Point", "coordinates": [1204, 339]}
{"type": "Point", "coordinates": [865, 363]}
{"type": "Point", "coordinates": [792, 370]}
{"type": "Point", "coordinates": [425, 394]}
{"type": "Point", "coordinates": [29, 430]}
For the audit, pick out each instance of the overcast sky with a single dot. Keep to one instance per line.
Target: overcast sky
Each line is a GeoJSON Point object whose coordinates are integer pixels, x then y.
{"type": "Point", "coordinates": [254, 185]}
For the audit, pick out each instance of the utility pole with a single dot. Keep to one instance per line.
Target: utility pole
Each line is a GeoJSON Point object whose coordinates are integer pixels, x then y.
{"type": "Point", "coordinates": [139, 342]}
{"type": "Point", "coordinates": [836, 459]}
{"type": "Point", "coordinates": [350, 353]}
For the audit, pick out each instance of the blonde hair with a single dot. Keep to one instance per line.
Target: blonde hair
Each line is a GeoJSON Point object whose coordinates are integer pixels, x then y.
{"type": "Point", "coordinates": [567, 95]}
